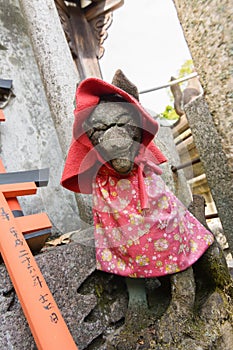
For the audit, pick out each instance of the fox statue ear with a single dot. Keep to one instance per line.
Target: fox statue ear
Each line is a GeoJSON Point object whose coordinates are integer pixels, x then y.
{"type": "Point", "coordinates": [123, 83]}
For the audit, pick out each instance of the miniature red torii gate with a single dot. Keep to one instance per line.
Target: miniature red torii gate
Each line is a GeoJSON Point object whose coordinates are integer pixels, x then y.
{"type": "Point", "coordinates": [44, 318]}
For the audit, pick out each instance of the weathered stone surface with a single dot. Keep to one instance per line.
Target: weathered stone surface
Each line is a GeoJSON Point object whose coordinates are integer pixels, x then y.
{"type": "Point", "coordinates": [95, 307]}
{"type": "Point", "coordinates": [92, 303]}
{"type": "Point", "coordinates": [214, 161]}
{"type": "Point", "coordinates": [60, 77]}
{"type": "Point", "coordinates": [176, 182]}
{"type": "Point", "coordinates": [208, 29]}
{"type": "Point", "coordinates": [28, 137]}
{"type": "Point", "coordinates": [15, 333]}
{"type": "Point", "coordinates": [56, 65]}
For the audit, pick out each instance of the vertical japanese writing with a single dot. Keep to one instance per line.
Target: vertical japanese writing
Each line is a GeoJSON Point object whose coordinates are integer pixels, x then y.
{"type": "Point", "coordinates": [18, 241]}
{"type": "Point", "coordinates": [26, 259]}
{"type": "Point", "coordinates": [4, 214]}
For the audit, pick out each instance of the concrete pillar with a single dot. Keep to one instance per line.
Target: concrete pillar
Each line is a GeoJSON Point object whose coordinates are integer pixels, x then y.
{"type": "Point", "coordinates": [208, 28]}
{"type": "Point", "coordinates": [55, 63]}
{"type": "Point", "coordinates": [59, 75]}
{"type": "Point", "coordinates": [214, 161]}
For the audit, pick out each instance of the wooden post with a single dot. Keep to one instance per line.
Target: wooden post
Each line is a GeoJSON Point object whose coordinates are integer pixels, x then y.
{"type": "Point", "coordinates": [12, 202]}
{"type": "Point", "coordinates": [2, 117]}
{"type": "Point", "coordinates": [44, 318]}
{"type": "Point", "coordinates": [29, 223]}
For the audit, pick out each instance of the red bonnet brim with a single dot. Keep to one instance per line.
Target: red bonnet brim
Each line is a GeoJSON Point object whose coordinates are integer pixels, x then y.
{"type": "Point", "coordinates": [82, 158]}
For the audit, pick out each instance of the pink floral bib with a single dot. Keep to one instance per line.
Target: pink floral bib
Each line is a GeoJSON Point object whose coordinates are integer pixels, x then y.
{"type": "Point", "coordinates": [163, 239]}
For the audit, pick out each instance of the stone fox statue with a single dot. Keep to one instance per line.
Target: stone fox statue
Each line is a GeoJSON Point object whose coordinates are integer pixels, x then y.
{"type": "Point", "coordinates": [141, 229]}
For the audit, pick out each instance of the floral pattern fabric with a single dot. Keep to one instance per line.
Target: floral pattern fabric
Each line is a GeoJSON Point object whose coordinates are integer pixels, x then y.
{"type": "Point", "coordinates": [164, 239]}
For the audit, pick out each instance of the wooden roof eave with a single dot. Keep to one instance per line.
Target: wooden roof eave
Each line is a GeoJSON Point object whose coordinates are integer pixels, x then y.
{"type": "Point", "coordinates": [102, 7]}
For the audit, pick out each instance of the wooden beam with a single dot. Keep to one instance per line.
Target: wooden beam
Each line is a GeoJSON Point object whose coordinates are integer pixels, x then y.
{"type": "Point", "coordinates": [36, 232]}
{"type": "Point", "coordinates": [180, 138]}
{"type": "Point", "coordinates": [34, 222]}
{"type": "Point", "coordinates": [180, 126]}
{"type": "Point", "coordinates": [101, 7]}
{"type": "Point", "coordinates": [20, 189]}
{"type": "Point", "coordinates": [44, 318]}
{"type": "Point", "coordinates": [84, 44]}
{"type": "Point", "coordinates": [39, 176]}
